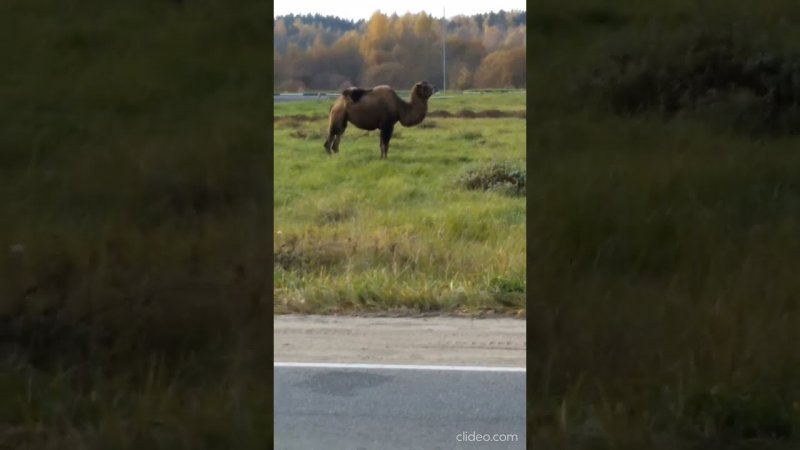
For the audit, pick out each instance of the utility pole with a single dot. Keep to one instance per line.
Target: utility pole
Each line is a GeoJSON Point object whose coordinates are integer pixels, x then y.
{"type": "Point", "coordinates": [444, 51]}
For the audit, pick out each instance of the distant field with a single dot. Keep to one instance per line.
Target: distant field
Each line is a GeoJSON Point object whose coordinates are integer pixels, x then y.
{"type": "Point", "coordinates": [354, 233]}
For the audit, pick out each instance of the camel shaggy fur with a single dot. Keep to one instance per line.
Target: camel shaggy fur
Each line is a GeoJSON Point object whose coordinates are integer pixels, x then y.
{"type": "Point", "coordinates": [378, 108]}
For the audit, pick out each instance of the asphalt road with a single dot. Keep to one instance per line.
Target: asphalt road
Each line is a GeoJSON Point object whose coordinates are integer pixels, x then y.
{"type": "Point", "coordinates": [387, 409]}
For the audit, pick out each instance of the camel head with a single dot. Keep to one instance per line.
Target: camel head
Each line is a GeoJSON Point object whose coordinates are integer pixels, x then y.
{"type": "Point", "coordinates": [424, 90]}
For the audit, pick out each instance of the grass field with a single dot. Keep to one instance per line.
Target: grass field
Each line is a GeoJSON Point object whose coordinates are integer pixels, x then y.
{"type": "Point", "coordinates": [664, 211]}
{"type": "Point", "coordinates": [354, 233]}
{"type": "Point", "coordinates": [134, 205]}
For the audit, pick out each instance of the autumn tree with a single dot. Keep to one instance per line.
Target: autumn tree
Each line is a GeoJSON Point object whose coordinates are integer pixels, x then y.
{"type": "Point", "coordinates": [503, 68]}
{"type": "Point", "coordinates": [492, 37]}
{"type": "Point", "coordinates": [375, 44]}
{"type": "Point", "coordinates": [463, 59]}
{"type": "Point", "coordinates": [464, 78]}
{"type": "Point", "coordinates": [322, 52]}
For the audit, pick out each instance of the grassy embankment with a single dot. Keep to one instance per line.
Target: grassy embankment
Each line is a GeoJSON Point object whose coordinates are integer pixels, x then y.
{"type": "Point", "coordinates": [357, 234]}
{"type": "Point", "coordinates": [134, 204]}
{"type": "Point", "coordinates": [664, 218]}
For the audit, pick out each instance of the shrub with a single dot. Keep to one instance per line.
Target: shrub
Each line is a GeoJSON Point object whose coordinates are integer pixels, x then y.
{"type": "Point", "coordinates": [495, 176]}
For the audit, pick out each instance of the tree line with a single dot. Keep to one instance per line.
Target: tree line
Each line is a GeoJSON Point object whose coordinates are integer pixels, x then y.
{"type": "Point", "coordinates": [325, 52]}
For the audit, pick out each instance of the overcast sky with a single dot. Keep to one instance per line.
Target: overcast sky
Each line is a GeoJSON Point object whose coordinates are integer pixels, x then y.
{"type": "Point", "coordinates": [363, 9]}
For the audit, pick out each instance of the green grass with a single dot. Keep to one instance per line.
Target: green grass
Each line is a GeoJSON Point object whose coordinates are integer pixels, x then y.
{"type": "Point", "coordinates": [133, 257]}
{"type": "Point", "coordinates": [663, 291]}
{"type": "Point", "coordinates": [356, 233]}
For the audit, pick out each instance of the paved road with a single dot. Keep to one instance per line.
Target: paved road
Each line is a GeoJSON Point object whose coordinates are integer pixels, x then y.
{"type": "Point", "coordinates": [388, 409]}
{"type": "Point", "coordinates": [368, 388]}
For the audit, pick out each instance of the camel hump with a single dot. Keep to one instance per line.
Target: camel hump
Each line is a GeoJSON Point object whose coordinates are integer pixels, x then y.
{"type": "Point", "coordinates": [354, 93]}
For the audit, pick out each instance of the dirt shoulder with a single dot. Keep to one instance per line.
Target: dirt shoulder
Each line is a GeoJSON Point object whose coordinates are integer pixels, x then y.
{"type": "Point", "coordinates": [389, 340]}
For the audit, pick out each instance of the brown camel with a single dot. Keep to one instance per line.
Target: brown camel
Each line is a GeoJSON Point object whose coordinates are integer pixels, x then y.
{"type": "Point", "coordinates": [376, 108]}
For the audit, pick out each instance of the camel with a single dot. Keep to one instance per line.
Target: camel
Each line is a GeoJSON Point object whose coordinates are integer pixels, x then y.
{"type": "Point", "coordinates": [376, 108]}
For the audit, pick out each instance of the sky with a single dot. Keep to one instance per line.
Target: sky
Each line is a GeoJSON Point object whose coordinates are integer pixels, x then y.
{"type": "Point", "coordinates": [363, 9]}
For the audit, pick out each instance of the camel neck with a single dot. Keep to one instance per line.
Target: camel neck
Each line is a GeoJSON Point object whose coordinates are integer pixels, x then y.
{"type": "Point", "coordinates": [414, 112]}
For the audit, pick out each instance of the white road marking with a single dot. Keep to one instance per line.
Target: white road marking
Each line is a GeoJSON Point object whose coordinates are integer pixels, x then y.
{"type": "Point", "coordinates": [398, 367]}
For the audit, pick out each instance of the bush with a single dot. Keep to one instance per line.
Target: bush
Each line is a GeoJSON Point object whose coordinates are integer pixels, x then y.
{"type": "Point", "coordinates": [495, 176]}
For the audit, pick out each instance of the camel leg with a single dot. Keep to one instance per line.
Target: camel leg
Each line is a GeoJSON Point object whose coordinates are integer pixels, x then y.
{"type": "Point", "coordinates": [336, 126]}
{"type": "Point", "coordinates": [329, 140]}
{"type": "Point", "coordinates": [338, 138]}
{"type": "Point", "coordinates": [332, 141]}
{"type": "Point", "coordinates": [386, 136]}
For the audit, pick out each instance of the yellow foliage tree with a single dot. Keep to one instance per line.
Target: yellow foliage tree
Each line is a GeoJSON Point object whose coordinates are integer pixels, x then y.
{"type": "Point", "coordinates": [464, 80]}
{"type": "Point", "coordinates": [325, 53]}
{"type": "Point", "coordinates": [377, 35]}
{"type": "Point", "coordinates": [503, 68]}
{"type": "Point", "coordinates": [423, 27]}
